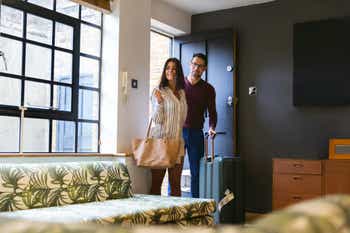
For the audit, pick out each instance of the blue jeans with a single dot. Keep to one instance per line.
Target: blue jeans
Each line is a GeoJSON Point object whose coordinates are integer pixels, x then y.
{"type": "Point", "coordinates": [194, 144]}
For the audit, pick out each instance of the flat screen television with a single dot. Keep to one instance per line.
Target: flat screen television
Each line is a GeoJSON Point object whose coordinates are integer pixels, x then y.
{"type": "Point", "coordinates": [321, 60]}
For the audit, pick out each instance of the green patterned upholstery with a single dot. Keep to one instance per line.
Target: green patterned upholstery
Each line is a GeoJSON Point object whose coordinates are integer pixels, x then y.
{"type": "Point", "coordinates": [207, 221]}
{"type": "Point", "coordinates": [19, 226]}
{"type": "Point", "coordinates": [140, 209]}
{"type": "Point", "coordinates": [28, 186]}
{"type": "Point", "coordinates": [324, 215]}
{"type": "Point", "coordinates": [329, 214]}
{"type": "Point", "coordinates": [99, 192]}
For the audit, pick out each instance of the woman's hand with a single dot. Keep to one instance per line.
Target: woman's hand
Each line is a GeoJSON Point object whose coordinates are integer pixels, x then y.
{"type": "Point", "coordinates": [158, 96]}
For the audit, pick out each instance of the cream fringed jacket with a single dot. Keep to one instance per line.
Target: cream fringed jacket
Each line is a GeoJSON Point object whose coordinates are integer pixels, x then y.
{"type": "Point", "coordinates": [168, 116]}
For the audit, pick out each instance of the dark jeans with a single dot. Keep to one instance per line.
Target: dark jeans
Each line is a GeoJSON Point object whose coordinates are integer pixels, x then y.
{"type": "Point", "coordinates": [194, 143]}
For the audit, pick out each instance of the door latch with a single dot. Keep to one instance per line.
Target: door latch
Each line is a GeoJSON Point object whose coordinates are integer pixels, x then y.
{"type": "Point", "coordinates": [229, 101]}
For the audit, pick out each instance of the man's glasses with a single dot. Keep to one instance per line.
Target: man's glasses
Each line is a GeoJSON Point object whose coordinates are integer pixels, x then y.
{"type": "Point", "coordinates": [200, 66]}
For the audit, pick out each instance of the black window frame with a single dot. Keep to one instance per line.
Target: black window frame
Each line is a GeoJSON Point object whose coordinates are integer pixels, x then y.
{"type": "Point", "coordinates": [50, 113]}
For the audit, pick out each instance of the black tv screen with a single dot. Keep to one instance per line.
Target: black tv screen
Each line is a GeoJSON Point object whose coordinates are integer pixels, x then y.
{"type": "Point", "coordinates": [321, 56]}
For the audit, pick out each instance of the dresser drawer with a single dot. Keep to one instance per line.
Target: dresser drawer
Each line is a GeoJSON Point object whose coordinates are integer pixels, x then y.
{"type": "Point", "coordinates": [297, 183]}
{"type": "Point", "coordinates": [294, 166]}
{"type": "Point", "coordinates": [283, 199]}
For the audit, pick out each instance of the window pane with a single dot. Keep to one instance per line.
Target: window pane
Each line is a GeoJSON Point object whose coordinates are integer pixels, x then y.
{"type": "Point", "coordinates": [38, 62]}
{"type": "Point", "coordinates": [43, 3]}
{"type": "Point", "coordinates": [160, 52]}
{"type": "Point", "coordinates": [62, 98]}
{"type": "Point", "coordinates": [13, 56]}
{"type": "Point", "coordinates": [37, 95]}
{"type": "Point", "coordinates": [87, 137]}
{"type": "Point", "coordinates": [63, 136]}
{"type": "Point", "coordinates": [64, 36]}
{"type": "Point", "coordinates": [35, 135]}
{"type": "Point", "coordinates": [11, 21]}
{"type": "Point", "coordinates": [89, 72]}
{"type": "Point", "coordinates": [63, 67]}
{"type": "Point", "coordinates": [88, 105]}
{"type": "Point", "coordinates": [9, 134]}
{"type": "Point", "coordinates": [39, 29]}
{"type": "Point", "coordinates": [90, 40]}
{"type": "Point", "coordinates": [67, 7]}
{"type": "Point", "coordinates": [91, 15]}
{"type": "Point", "coordinates": [10, 91]}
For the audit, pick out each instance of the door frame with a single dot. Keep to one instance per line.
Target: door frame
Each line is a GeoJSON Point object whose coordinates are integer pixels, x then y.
{"type": "Point", "coordinates": [205, 36]}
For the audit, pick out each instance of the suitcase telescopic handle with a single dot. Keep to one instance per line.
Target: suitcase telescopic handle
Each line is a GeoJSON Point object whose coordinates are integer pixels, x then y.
{"type": "Point", "coordinates": [206, 154]}
{"type": "Point", "coordinates": [212, 155]}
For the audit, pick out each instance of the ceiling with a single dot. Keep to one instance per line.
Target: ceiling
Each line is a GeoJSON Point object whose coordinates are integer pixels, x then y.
{"type": "Point", "coordinates": [202, 6]}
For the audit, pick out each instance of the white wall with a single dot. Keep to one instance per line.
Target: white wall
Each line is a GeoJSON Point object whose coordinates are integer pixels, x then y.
{"type": "Point", "coordinates": [134, 58]}
{"type": "Point", "coordinates": [170, 19]}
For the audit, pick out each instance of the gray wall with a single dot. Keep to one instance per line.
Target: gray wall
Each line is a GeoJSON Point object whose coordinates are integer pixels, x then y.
{"type": "Point", "coordinates": [269, 125]}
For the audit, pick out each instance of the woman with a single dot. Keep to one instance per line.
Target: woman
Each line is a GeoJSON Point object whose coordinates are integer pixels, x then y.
{"type": "Point", "coordinates": [169, 114]}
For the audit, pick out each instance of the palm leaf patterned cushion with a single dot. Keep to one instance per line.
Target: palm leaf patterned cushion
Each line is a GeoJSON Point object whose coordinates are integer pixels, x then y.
{"type": "Point", "coordinates": [324, 215]}
{"type": "Point", "coordinates": [28, 186]}
{"type": "Point", "coordinates": [139, 209]}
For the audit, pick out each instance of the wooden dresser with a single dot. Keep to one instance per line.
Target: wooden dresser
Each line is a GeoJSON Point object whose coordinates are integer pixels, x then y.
{"type": "Point", "coordinates": [295, 180]}
{"type": "Point", "coordinates": [336, 176]}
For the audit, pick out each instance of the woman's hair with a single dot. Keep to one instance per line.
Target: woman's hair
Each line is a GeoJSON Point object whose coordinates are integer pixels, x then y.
{"type": "Point", "coordinates": [180, 80]}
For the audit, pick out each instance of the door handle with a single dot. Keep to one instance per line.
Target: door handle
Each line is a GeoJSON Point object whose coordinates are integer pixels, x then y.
{"type": "Point", "coordinates": [229, 101]}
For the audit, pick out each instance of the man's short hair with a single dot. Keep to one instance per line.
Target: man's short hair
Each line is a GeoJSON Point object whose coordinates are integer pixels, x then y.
{"type": "Point", "coordinates": [201, 56]}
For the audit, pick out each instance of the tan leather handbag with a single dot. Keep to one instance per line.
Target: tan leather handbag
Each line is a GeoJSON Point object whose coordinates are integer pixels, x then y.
{"type": "Point", "coordinates": [157, 153]}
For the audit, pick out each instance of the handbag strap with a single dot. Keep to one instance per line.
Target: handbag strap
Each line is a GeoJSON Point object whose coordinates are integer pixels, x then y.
{"type": "Point", "coordinates": [149, 127]}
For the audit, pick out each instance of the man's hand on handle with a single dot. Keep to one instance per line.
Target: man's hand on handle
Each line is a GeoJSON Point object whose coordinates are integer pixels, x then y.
{"type": "Point", "coordinates": [211, 133]}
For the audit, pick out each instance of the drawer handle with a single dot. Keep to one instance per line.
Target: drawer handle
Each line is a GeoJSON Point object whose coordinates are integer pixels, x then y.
{"type": "Point", "coordinates": [298, 165]}
{"type": "Point", "coordinates": [297, 197]}
{"type": "Point", "coordinates": [297, 178]}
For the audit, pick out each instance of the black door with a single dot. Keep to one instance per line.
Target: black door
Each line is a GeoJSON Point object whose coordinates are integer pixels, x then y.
{"type": "Point", "coordinates": [220, 48]}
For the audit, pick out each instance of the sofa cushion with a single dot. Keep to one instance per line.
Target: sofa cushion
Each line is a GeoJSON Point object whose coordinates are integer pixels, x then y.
{"type": "Point", "coordinates": [27, 186]}
{"type": "Point", "coordinates": [199, 221]}
{"type": "Point", "coordinates": [20, 226]}
{"type": "Point", "coordinates": [329, 214]}
{"type": "Point", "coordinates": [140, 209]}
{"type": "Point", "coordinates": [323, 215]}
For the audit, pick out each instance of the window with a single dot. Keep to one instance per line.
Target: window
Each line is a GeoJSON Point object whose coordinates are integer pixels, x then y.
{"type": "Point", "coordinates": [161, 50]}
{"type": "Point", "coordinates": [52, 69]}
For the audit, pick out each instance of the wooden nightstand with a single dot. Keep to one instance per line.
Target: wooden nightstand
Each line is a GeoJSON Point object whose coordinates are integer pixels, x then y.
{"type": "Point", "coordinates": [295, 180]}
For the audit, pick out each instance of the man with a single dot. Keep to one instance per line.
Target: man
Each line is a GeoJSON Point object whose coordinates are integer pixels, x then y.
{"type": "Point", "coordinates": [200, 97]}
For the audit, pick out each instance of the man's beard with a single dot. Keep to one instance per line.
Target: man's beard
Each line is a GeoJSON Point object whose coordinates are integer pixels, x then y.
{"type": "Point", "coordinates": [197, 75]}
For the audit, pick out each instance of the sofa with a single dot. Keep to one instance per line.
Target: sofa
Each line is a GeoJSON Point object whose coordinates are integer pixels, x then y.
{"type": "Point", "coordinates": [323, 215]}
{"type": "Point", "coordinates": [90, 192]}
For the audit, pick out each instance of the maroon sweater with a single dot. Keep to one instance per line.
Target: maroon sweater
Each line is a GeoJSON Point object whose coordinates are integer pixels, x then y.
{"type": "Point", "coordinates": [200, 97]}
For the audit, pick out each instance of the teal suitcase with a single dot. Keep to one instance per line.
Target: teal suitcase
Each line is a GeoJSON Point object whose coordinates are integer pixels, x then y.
{"type": "Point", "coordinates": [221, 178]}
